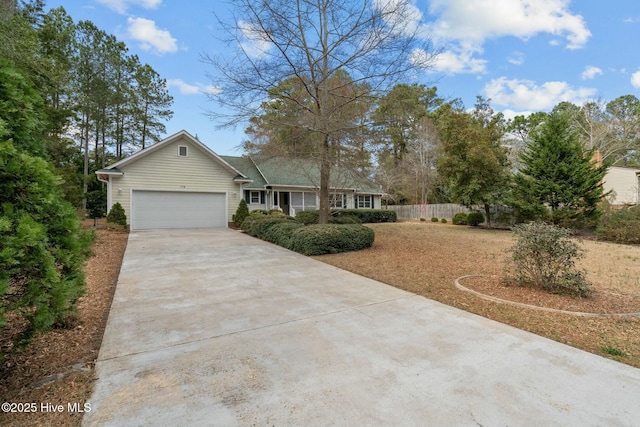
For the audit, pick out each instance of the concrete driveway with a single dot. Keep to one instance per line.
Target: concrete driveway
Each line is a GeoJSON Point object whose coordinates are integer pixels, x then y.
{"type": "Point", "coordinates": [211, 327]}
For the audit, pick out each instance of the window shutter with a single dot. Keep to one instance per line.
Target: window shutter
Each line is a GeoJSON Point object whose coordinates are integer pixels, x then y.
{"type": "Point", "coordinates": [247, 196]}
{"type": "Point", "coordinates": [262, 197]}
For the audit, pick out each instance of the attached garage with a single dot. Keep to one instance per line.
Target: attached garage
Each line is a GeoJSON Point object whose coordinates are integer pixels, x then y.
{"type": "Point", "coordinates": [177, 209]}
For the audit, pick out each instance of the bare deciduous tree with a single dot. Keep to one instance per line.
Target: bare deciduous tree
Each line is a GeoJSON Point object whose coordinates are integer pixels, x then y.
{"type": "Point", "coordinates": [376, 42]}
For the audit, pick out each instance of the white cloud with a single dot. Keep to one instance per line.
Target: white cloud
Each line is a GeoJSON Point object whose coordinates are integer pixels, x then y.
{"type": "Point", "coordinates": [459, 62]}
{"type": "Point", "coordinates": [479, 20]}
{"type": "Point", "coordinates": [635, 79]}
{"type": "Point", "coordinates": [516, 58]}
{"type": "Point", "coordinates": [590, 73]}
{"type": "Point", "coordinates": [193, 89]}
{"type": "Point", "coordinates": [151, 37]}
{"type": "Point", "coordinates": [121, 6]}
{"type": "Point", "coordinates": [464, 26]}
{"type": "Point", "coordinates": [527, 95]}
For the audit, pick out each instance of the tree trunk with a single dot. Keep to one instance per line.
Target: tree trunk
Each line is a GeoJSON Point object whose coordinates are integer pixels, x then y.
{"type": "Point", "coordinates": [487, 214]}
{"type": "Point", "coordinates": [325, 171]}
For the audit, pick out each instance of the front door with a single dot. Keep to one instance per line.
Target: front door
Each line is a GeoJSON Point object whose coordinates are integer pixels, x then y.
{"type": "Point", "coordinates": [283, 202]}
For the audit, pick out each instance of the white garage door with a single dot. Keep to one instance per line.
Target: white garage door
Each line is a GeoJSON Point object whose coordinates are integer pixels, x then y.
{"type": "Point", "coordinates": [177, 209]}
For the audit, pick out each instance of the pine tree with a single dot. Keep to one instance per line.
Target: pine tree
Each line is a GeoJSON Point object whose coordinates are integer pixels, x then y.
{"type": "Point", "coordinates": [558, 181]}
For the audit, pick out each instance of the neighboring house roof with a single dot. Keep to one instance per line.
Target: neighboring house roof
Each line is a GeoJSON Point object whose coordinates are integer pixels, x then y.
{"type": "Point", "coordinates": [173, 138]}
{"type": "Point", "coordinates": [284, 172]}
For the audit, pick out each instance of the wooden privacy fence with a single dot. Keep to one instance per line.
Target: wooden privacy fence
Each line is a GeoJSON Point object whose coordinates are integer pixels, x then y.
{"type": "Point", "coordinates": [500, 215]}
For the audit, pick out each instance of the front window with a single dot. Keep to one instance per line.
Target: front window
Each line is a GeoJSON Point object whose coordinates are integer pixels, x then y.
{"type": "Point", "coordinates": [337, 200]}
{"type": "Point", "coordinates": [364, 201]}
{"type": "Point", "coordinates": [255, 198]}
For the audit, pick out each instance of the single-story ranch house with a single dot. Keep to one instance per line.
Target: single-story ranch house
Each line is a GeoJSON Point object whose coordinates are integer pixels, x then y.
{"type": "Point", "coordinates": [181, 183]}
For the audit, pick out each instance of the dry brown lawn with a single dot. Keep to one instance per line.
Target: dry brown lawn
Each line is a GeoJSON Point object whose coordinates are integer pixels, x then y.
{"type": "Point", "coordinates": [426, 258]}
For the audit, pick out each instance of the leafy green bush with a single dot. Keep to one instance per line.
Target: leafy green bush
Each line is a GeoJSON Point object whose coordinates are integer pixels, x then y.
{"type": "Point", "coordinates": [116, 215]}
{"type": "Point", "coordinates": [281, 233]}
{"type": "Point", "coordinates": [475, 219]}
{"type": "Point", "coordinates": [443, 220]}
{"type": "Point", "coordinates": [241, 213]}
{"type": "Point", "coordinates": [259, 212]}
{"type": "Point", "coordinates": [544, 256]}
{"type": "Point", "coordinates": [307, 217]}
{"type": "Point", "coordinates": [459, 219]}
{"type": "Point", "coordinates": [621, 226]}
{"type": "Point", "coordinates": [422, 219]}
{"type": "Point", "coordinates": [331, 238]}
{"type": "Point", "coordinates": [434, 219]}
{"type": "Point", "coordinates": [369, 215]}
{"type": "Point", "coordinates": [257, 225]}
{"type": "Point", "coordinates": [344, 219]}
{"type": "Point", "coordinates": [363, 215]}
{"type": "Point", "coordinates": [42, 246]}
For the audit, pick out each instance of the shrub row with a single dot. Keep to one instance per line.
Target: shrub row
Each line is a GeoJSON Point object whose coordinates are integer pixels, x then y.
{"type": "Point", "coordinates": [308, 240]}
{"type": "Point", "coordinates": [472, 218]}
{"type": "Point", "coordinates": [622, 226]}
{"type": "Point", "coordinates": [331, 238]}
{"type": "Point", "coordinates": [338, 216]}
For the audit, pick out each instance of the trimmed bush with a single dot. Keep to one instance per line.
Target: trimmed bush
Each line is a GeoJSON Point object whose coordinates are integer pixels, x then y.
{"type": "Point", "coordinates": [257, 225]}
{"type": "Point", "coordinates": [331, 238]}
{"type": "Point", "coordinates": [544, 256]}
{"type": "Point", "coordinates": [258, 212]}
{"type": "Point", "coordinates": [363, 215]}
{"type": "Point", "coordinates": [474, 219]}
{"type": "Point", "coordinates": [434, 219]}
{"type": "Point", "coordinates": [281, 233]}
{"type": "Point", "coordinates": [459, 219]}
{"type": "Point", "coordinates": [369, 215]}
{"type": "Point", "coordinates": [241, 213]}
{"type": "Point", "coordinates": [117, 216]}
{"type": "Point", "coordinates": [307, 217]}
{"type": "Point", "coordinates": [344, 219]}
{"type": "Point", "coordinates": [443, 220]}
{"type": "Point", "coordinates": [622, 226]}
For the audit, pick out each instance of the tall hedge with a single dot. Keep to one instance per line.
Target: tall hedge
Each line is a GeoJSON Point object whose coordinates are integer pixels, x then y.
{"type": "Point", "coordinates": [42, 246]}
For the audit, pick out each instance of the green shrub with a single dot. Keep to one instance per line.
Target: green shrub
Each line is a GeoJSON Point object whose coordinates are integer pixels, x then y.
{"type": "Point", "coordinates": [344, 219]}
{"type": "Point", "coordinates": [258, 212]}
{"type": "Point", "coordinates": [241, 213]}
{"type": "Point", "coordinates": [475, 219]}
{"type": "Point", "coordinates": [459, 219]}
{"type": "Point", "coordinates": [257, 225]}
{"type": "Point", "coordinates": [422, 219]}
{"type": "Point", "coordinates": [116, 215]}
{"type": "Point", "coordinates": [42, 246]}
{"type": "Point", "coordinates": [443, 220]}
{"type": "Point", "coordinates": [281, 233]}
{"type": "Point", "coordinates": [331, 238]}
{"type": "Point", "coordinates": [307, 217]}
{"type": "Point", "coordinates": [544, 256]}
{"type": "Point", "coordinates": [434, 219]}
{"type": "Point", "coordinates": [369, 215]}
{"type": "Point", "coordinates": [621, 226]}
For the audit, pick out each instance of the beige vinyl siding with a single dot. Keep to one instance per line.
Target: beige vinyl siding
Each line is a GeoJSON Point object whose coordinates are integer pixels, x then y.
{"type": "Point", "coordinates": [165, 170]}
{"type": "Point", "coordinates": [624, 183]}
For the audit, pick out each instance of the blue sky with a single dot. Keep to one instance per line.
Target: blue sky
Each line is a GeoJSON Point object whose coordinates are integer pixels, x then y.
{"type": "Point", "coordinates": [526, 55]}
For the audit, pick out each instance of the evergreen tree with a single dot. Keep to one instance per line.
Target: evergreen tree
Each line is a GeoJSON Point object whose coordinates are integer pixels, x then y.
{"type": "Point", "coordinates": [558, 181]}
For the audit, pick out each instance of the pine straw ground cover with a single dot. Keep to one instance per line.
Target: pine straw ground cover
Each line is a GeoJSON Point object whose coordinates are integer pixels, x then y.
{"type": "Point", "coordinates": [58, 367]}
{"type": "Point", "coordinates": [426, 258]}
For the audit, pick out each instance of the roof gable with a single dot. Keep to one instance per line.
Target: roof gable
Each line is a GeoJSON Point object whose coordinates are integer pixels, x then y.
{"type": "Point", "coordinates": [182, 135]}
